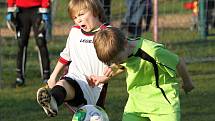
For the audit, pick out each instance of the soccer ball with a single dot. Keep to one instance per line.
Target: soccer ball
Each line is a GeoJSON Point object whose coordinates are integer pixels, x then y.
{"type": "Point", "coordinates": [90, 113]}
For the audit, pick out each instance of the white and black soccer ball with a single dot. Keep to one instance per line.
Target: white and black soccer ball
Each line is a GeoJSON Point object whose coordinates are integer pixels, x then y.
{"type": "Point", "coordinates": [90, 113]}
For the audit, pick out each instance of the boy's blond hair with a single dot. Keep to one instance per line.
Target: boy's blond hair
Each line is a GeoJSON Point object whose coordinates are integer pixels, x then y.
{"type": "Point", "coordinates": [94, 6]}
{"type": "Point", "coordinates": [109, 42]}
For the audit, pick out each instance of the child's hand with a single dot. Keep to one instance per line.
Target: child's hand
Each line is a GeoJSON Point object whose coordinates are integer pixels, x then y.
{"type": "Point", "coordinates": [90, 81]}
{"type": "Point", "coordinates": [108, 71]}
{"type": "Point", "coordinates": [51, 83]}
{"type": "Point", "coordinates": [94, 80]}
{"type": "Point", "coordinates": [188, 86]}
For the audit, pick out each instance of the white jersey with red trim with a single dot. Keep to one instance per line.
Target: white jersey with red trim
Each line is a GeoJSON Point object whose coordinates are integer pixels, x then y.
{"type": "Point", "coordinates": [84, 62]}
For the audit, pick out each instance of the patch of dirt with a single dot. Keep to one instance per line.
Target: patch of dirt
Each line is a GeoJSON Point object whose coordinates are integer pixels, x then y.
{"type": "Point", "coordinates": [169, 21]}
{"type": "Point", "coordinates": [175, 21]}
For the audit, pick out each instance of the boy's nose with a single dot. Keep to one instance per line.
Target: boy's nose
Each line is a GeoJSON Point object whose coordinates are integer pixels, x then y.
{"type": "Point", "coordinates": [79, 19]}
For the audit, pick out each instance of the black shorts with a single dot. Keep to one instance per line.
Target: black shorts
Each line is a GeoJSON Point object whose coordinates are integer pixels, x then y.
{"type": "Point", "coordinates": [79, 96]}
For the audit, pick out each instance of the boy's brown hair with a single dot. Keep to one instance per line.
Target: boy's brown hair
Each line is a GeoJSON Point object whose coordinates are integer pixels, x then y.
{"type": "Point", "coordinates": [94, 6]}
{"type": "Point", "coordinates": [108, 42]}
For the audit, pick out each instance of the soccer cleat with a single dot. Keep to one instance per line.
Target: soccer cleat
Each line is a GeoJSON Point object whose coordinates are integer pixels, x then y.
{"type": "Point", "coordinates": [20, 82]}
{"type": "Point", "coordinates": [45, 81]}
{"type": "Point", "coordinates": [47, 102]}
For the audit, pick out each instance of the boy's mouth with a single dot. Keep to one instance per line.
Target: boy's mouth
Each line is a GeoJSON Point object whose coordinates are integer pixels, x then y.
{"type": "Point", "coordinates": [83, 26]}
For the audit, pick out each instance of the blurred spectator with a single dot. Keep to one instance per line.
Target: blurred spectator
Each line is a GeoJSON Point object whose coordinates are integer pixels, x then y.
{"type": "Point", "coordinates": [210, 13]}
{"type": "Point", "coordinates": [209, 10]}
{"type": "Point", "coordinates": [195, 13]}
{"type": "Point", "coordinates": [136, 11]}
{"type": "Point", "coordinates": [22, 15]}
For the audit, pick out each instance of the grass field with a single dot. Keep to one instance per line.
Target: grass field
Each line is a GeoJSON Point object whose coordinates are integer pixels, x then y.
{"type": "Point", "coordinates": [20, 104]}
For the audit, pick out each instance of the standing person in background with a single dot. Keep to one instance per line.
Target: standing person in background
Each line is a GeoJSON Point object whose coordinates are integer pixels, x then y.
{"type": "Point", "coordinates": [136, 11]}
{"type": "Point", "coordinates": [195, 15]}
{"type": "Point", "coordinates": [24, 15]}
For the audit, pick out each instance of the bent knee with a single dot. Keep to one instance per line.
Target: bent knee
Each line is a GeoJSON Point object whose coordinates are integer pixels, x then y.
{"type": "Point", "coordinates": [69, 89]}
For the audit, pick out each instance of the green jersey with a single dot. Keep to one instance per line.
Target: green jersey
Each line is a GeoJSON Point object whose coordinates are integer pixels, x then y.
{"type": "Point", "coordinates": [144, 96]}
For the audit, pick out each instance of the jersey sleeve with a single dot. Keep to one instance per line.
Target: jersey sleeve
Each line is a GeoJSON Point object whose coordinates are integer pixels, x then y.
{"type": "Point", "coordinates": [65, 54]}
{"type": "Point", "coordinates": [166, 60]}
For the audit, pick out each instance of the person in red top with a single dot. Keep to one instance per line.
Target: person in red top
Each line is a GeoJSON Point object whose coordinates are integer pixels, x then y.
{"type": "Point", "coordinates": [195, 13]}
{"type": "Point", "coordinates": [24, 15]}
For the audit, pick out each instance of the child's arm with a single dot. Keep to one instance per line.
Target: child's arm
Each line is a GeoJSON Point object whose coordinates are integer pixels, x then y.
{"type": "Point", "coordinates": [187, 83]}
{"type": "Point", "coordinates": [53, 76]}
{"type": "Point", "coordinates": [109, 72]}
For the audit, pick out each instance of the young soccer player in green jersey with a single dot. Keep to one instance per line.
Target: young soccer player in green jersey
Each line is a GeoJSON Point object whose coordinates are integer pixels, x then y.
{"type": "Point", "coordinates": [150, 75]}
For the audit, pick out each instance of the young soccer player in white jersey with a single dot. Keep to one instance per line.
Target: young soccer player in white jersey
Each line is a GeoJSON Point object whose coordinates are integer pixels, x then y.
{"type": "Point", "coordinates": [73, 88]}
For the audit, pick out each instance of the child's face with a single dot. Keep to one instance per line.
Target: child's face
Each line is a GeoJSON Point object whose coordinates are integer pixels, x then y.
{"type": "Point", "coordinates": [120, 58]}
{"type": "Point", "coordinates": [86, 20]}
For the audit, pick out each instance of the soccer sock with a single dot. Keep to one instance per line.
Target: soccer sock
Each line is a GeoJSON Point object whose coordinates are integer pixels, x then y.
{"type": "Point", "coordinates": [59, 93]}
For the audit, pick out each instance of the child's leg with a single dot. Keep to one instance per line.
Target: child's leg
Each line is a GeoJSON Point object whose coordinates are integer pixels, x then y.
{"type": "Point", "coordinates": [68, 93]}
{"type": "Point", "coordinates": [166, 117]}
{"type": "Point", "coordinates": [75, 95]}
{"type": "Point", "coordinates": [60, 92]}
{"type": "Point", "coordinates": [66, 89]}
